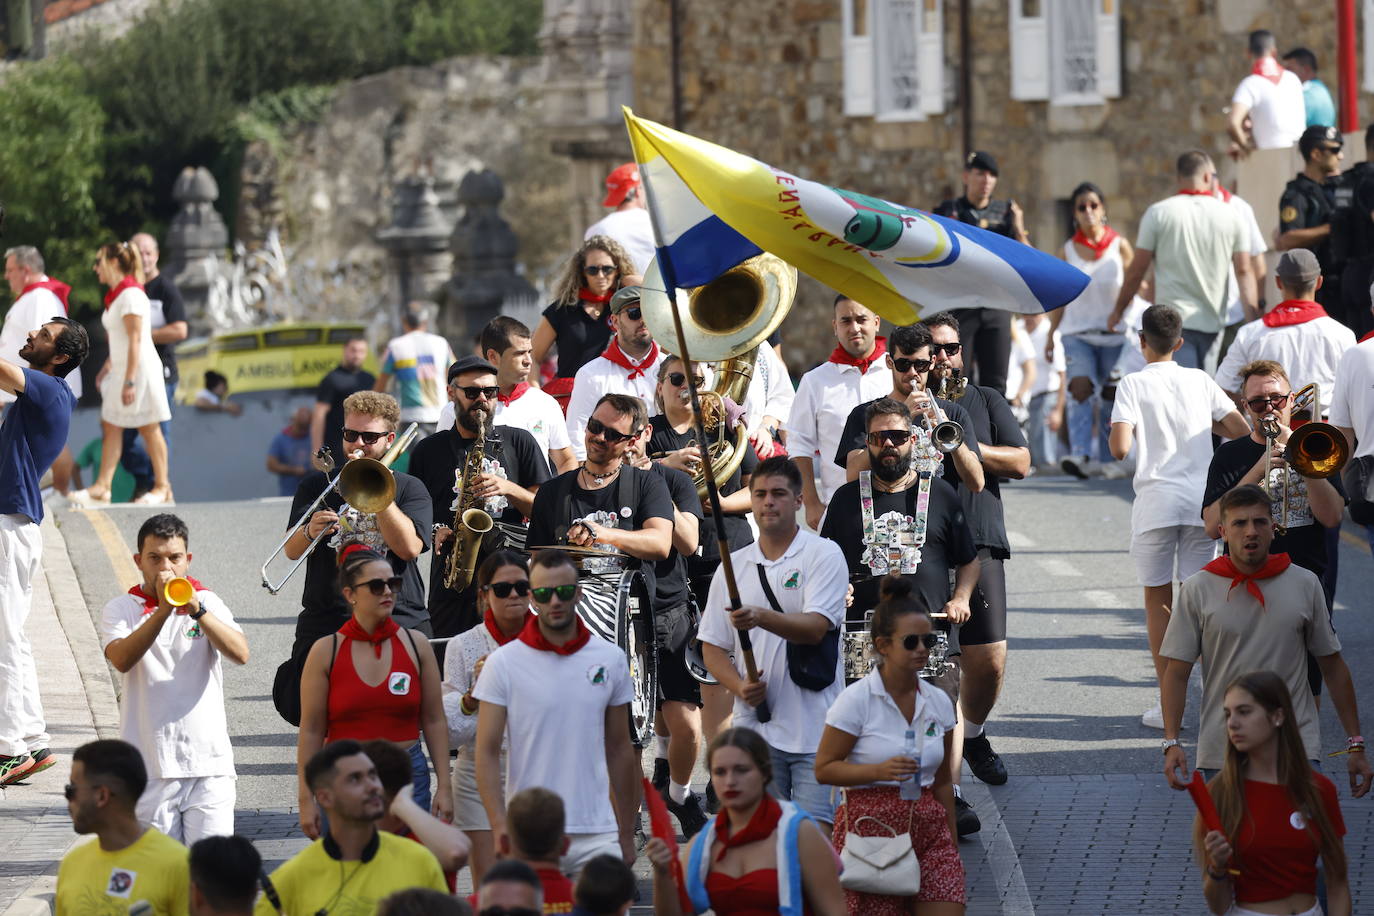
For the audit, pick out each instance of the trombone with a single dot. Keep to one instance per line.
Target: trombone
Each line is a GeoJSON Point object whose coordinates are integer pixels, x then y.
{"type": "Point", "coordinates": [366, 484]}
{"type": "Point", "coordinates": [1315, 449]}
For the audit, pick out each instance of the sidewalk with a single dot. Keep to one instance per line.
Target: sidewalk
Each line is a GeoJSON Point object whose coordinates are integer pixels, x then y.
{"type": "Point", "coordinates": [79, 704]}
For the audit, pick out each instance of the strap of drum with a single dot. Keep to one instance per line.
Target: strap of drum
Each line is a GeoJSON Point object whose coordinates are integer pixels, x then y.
{"type": "Point", "coordinates": [877, 534]}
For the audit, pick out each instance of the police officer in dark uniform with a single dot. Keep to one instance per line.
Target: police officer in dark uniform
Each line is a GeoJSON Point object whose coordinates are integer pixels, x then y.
{"type": "Point", "coordinates": [1352, 240]}
{"type": "Point", "coordinates": [986, 331]}
{"type": "Point", "coordinates": [1307, 206]}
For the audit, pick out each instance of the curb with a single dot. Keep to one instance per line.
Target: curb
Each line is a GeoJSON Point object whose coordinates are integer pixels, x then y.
{"type": "Point", "coordinates": [79, 626]}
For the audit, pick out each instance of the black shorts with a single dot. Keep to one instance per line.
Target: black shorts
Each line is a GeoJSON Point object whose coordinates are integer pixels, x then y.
{"type": "Point", "coordinates": [989, 621]}
{"type": "Point", "coordinates": [675, 682]}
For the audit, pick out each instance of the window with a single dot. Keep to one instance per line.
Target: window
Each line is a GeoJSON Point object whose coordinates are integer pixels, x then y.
{"type": "Point", "coordinates": [894, 58]}
{"type": "Point", "coordinates": [1066, 51]}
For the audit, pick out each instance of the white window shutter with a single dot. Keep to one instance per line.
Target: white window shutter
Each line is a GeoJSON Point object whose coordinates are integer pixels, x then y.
{"type": "Point", "coordinates": [1030, 55]}
{"type": "Point", "coordinates": [858, 61]}
{"type": "Point", "coordinates": [1109, 49]}
{"type": "Point", "coordinates": [1368, 45]}
{"type": "Point", "coordinates": [896, 61]}
{"type": "Point", "coordinates": [930, 56]}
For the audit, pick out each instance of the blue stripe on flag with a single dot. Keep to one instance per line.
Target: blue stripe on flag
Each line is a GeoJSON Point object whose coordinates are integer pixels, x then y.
{"type": "Point", "coordinates": [706, 251]}
{"type": "Point", "coordinates": [1053, 282]}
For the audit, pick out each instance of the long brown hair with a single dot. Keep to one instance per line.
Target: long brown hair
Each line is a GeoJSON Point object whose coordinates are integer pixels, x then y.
{"type": "Point", "coordinates": [571, 280]}
{"type": "Point", "coordinates": [1294, 774]}
{"type": "Point", "coordinates": [124, 256]}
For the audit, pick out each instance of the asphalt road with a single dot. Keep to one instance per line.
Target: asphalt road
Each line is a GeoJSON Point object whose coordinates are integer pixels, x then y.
{"type": "Point", "coordinates": [1086, 823]}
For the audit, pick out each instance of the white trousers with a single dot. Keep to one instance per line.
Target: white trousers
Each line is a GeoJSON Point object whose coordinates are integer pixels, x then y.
{"type": "Point", "coordinates": [22, 728]}
{"type": "Point", "coordinates": [188, 810]}
{"type": "Point", "coordinates": [585, 846]}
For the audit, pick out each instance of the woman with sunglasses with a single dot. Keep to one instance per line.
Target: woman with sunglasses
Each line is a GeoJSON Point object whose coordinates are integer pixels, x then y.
{"type": "Point", "coordinates": [884, 732]}
{"type": "Point", "coordinates": [1091, 347]}
{"type": "Point", "coordinates": [503, 598]}
{"type": "Point", "coordinates": [1278, 814]}
{"type": "Point", "coordinates": [577, 322]}
{"type": "Point", "coordinates": [370, 680]}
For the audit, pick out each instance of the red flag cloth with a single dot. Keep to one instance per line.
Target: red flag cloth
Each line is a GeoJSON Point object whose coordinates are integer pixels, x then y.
{"type": "Point", "coordinates": [841, 357]}
{"type": "Point", "coordinates": [150, 603]}
{"type": "Point", "coordinates": [56, 287]}
{"type": "Point", "coordinates": [354, 630]}
{"type": "Point", "coordinates": [617, 356]}
{"type": "Point", "coordinates": [661, 826]}
{"type": "Point", "coordinates": [1292, 311]}
{"type": "Point", "coordinates": [1099, 246]}
{"type": "Point", "coordinates": [120, 287]}
{"type": "Point", "coordinates": [1223, 566]}
{"type": "Point", "coordinates": [533, 637]}
{"type": "Point", "coordinates": [1203, 799]}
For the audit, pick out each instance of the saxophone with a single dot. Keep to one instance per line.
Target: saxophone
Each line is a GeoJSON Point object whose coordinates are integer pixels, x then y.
{"type": "Point", "coordinates": [469, 522]}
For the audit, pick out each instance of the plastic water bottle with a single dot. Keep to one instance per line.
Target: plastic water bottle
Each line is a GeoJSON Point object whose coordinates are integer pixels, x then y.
{"type": "Point", "coordinates": [910, 789]}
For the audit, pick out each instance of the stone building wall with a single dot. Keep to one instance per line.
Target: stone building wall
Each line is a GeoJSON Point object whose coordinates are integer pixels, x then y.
{"type": "Point", "coordinates": [764, 78]}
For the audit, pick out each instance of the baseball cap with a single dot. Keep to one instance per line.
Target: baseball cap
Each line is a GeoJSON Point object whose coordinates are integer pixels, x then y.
{"type": "Point", "coordinates": [469, 364]}
{"type": "Point", "coordinates": [981, 160]}
{"type": "Point", "coordinates": [622, 180]}
{"type": "Point", "coordinates": [1298, 265]}
{"type": "Point", "coordinates": [624, 297]}
{"type": "Point", "coordinates": [1316, 135]}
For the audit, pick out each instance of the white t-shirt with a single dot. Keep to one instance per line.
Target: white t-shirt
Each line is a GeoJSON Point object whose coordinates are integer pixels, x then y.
{"type": "Point", "coordinates": [172, 704]}
{"type": "Point", "coordinates": [633, 229]}
{"type": "Point", "coordinates": [601, 376]}
{"type": "Point", "coordinates": [556, 723]}
{"type": "Point", "coordinates": [1172, 410]}
{"type": "Point", "coordinates": [1308, 352]}
{"type": "Point", "coordinates": [822, 403]}
{"type": "Point", "coordinates": [770, 391]}
{"type": "Point", "coordinates": [1352, 397]}
{"type": "Point", "coordinates": [1278, 115]}
{"type": "Point", "coordinates": [29, 313]}
{"type": "Point", "coordinates": [1022, 352]}
{"type": "Point", "coordinates": [1047, 373]}
{"type": "Point", "coordinates": [1235, 310]}
{"type": "Point", "coordinates": [534, 411]}
{"type": "Point", "coordinates": [810, 577]}
{"type": "Point", "coordinates": [867, 711]}
{"type": "Point", "coordinates": [1089, 312]}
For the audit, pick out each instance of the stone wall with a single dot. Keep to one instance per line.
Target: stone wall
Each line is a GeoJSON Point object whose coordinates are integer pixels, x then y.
{"type": "Point", "coordinates": [764, 78]}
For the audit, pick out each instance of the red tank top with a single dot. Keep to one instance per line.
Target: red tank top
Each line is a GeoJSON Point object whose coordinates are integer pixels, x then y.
{"type": "Point", "coordinates": [391, 710]}
{"type": "Point", "coordinates": [754, 893]}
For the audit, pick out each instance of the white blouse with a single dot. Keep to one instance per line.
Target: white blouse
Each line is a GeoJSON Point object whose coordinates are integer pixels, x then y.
{"type": "Point", "coordinates": [867, 711]}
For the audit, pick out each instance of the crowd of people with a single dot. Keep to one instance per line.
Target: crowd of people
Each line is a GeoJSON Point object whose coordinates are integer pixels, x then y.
{"type": "Point", "coordinates": [844, 664]}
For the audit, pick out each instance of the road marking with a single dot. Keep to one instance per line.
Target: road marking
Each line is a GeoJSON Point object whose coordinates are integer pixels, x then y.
{"type": "Point", "coordinates": [999, 851]}
{"type": "Point", "coordinates": [121, 557]}
{"type": "Point", "coordinates": [1019, 540]}
{"type": "Point", "coordinates": [1103, 599]}
{"type": "Point", "coordinates": [1353, 540]}
{"type": "Point", "coordinates": [1058, 566]}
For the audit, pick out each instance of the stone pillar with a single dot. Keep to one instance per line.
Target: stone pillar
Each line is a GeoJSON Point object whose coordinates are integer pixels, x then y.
{"type": "Point", "coordinates": [196, 242]}
{"type": "Point", "coordinates": [485, 283]}
{"type": "Point", "coordinates": [416, 242]}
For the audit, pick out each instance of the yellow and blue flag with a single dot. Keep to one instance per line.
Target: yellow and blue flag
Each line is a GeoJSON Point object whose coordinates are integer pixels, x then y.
{"type": "Point", "coordinates": [713, 208]}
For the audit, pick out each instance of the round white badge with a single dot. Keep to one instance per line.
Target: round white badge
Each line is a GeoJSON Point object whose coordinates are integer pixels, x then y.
{"type": "Point", "coordinates": [1297, 820]}
{"type": "Point", "coordinates": [624, 511]}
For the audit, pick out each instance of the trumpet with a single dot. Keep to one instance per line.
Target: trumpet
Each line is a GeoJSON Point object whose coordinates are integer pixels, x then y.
{"type": "Point", "coordinates": [952, 387]}
{"type": "Point", "coordinates": [366, 484]}
{"type": "Point", "coordinates": [946, 435]}
{"type": "Point", "coordinates": [1315, 449]}
{"type": "Point", "coordinates": [178, 591]}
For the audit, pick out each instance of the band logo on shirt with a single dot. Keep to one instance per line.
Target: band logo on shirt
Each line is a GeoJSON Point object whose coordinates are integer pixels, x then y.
{"type": "Point", "coordinates": [399, 683]}
{"type": "Point", "coordinates": [121, 882]}
{"type": "Point", "coordinates": [793, 579]}
{"type": "Point", "coordinates": [194, 631]}
{"type": "Point", "coordinates": [596, 675]}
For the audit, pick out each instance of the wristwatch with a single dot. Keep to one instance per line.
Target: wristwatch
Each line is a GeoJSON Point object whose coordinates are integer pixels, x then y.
{"type": "Point", "coordinates": [1168, 743]}
{"type": "Point", "coordinates": [198, 613]}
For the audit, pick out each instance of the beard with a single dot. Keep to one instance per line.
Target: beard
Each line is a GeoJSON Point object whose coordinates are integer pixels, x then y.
{"type": "Point", "coordinates": [891, 464]}
{"type": "Point", "coordinates": [468, 418]}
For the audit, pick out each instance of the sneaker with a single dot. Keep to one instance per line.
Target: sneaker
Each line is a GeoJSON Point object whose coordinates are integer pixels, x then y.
{"type": "Point", "coordinates": [660, 780]}
{"type": "Point", "coordinates": [13, 769]}
{"type": "Point", "coordinates": [689, 815]}
{"type": "Point", "coordinates": [983, 761]}
{"type": "Point", "coordinates": [1153, 718]}
{"type": "Point", "coordinates": [965, 818]}
{"type": "Point", "coordinates": [1115, 470]}
{"type": "Point", "coordinates": [1079, 466]}
{"type": "Point", "coordinates": [712, 803]}
{"type": "Point", "coordinates": [41, 761]}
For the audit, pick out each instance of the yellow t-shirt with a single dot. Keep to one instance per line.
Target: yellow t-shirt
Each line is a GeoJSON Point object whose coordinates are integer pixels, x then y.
{"type": "Point", "coordinates": [312, 880]}
{"type": "Point", "coordinates": [93, 882]}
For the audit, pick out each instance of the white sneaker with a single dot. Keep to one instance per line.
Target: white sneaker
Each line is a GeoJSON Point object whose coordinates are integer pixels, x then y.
{"type": "Point", "coordinates": [1153, 718]}
{"type": "Point", "coordinates": [1114, 470]}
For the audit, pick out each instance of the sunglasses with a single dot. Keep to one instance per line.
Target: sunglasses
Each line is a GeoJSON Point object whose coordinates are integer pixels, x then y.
{"type": "Point", "coordinates": [678, 379]}
{"type": "Point", "coordinates": [69, 791]}
{"type": "Point", "coordinates": [503, 589]}
{"type": "Point", "coordinates": [510, 911]}
{"type": "Point", "coordinates": [473, 392]}
{"type": "Point", "coordinates": [911, 640]}
{"type": "Point", "coordinates": [889, 436]}
{"type": "Point", "coordinates": [545, 595]}
{"type": "Point", "coordinates": [1259, 404]}
{"type": "Point", "coordinates": [605, 270]}
{"type": "Point", "coordinates": [353, 435]}
{"type": "Point", "coordinates": [1089, 205]}
{"type": "Point", "coordinates": [596, 428]}
{"type": "Point", "coordinates": [633, 312]}
{"type": "Point", "coordinates": [901, 364]}
{"type": "Point", "coordinates": [378, 586]}
{"type": "Point", "coordinates": [948, 349]}
{"type": "Point", "coordinates": [1331, 149]}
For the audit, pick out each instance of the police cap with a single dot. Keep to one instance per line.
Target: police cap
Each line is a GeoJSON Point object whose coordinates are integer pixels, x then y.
{"type": "Point", "coordinates": [1318, 135]}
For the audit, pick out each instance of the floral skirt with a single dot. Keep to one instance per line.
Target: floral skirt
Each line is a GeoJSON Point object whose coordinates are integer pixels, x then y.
{"type": "Point", "coordinates": [942, 871]}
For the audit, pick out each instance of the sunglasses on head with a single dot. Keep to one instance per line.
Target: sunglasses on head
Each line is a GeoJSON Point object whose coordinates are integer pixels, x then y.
{"type": "Point", "coordinates": [1259, 404]}
{"type": "Point", "coordinates": [633, 312]}
{"type": "Point", "coordinates": [678, 379]}
{"type": "Point", "coordinates": [503, 589]}
{"type": "Point", "coordinates": [911, 640]}
{"type": "Point", "coordinates": [596, 428]}
{"type": "Point", "coordinates": [473, 392]}
{"type": "Point", "coordinates": [902, 364]}
{"type": "Point", "coordinates": [379, 586]}
{"type": "Point", "coordinates": [948, 349]}
{"type": "Point", "coordinates": [545, 595]}
{"type": "Point", "coordinates": [604, 270]}
{"type": "Point", "coordinates": [353, 435]}
{"type": "Point", "coordinates": [889, 436]}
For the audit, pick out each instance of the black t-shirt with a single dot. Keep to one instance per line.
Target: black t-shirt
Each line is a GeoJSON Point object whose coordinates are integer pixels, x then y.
{"type": "Point", "coordinates": [579, 336]}
{"type": "Point", "coordinates": [1305, 540]}
{"type": "Point", "coordinates": [737, 531]}
{"type": "Point", "coordinates": [1352, 229]}
{"type": "Point", "coordinates": [1306, 204]}
{"type": "Point", "coordinates": [994, 424]}
{"type": "Point", "coordinates": [949, 543]}
{"type": "Point", "coordinates": [333, 390]}
{"type": "Point", "coordinates": [855, 435]}
{"type": "Point", "coordinates": [165, 299]}
{"type": "Point", "coordinates": [324, 608]}
{"type": "Point", "coordinates": [670, 575]}
{"type": "Point", "coordinates": [995, 217]}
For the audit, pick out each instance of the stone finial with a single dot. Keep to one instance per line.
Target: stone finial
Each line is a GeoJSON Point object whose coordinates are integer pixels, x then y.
{"type": "Point", "coordinates": [196, 239]}
{"type": "Point", "coordinates": [484, 247]}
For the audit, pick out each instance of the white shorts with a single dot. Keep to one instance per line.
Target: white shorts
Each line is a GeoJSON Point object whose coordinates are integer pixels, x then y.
{"type": "Point", "coordinates": [190, 809]}
{"type": "Point", "coordinates": [1237, 910]}
{"type": "Point", "coordinates": [587, 846]}
{"type": "Point", "coordinates": [1158, 551]}
{"type": "Point", "coordinates": [468, 811]}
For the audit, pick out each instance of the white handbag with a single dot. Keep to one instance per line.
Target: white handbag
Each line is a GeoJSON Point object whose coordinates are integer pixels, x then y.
{"type": "Point", "coordinates": [879, 864]}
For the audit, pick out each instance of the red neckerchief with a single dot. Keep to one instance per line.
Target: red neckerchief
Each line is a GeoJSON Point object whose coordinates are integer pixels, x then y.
{"type": "Point", "coordinates": [354, 630]}
{"type": "Point", "coordinates": [533, 637]}
{"type": "Point", "coordinates": [1109, 235]}
{"type": "Point", "coordinates": [587, 295]}
{"type": "Point", "coordinates": [760, 827]}
{"type": "Point", "coordinates": [1195, 192]}
{"type": "Point", "coordinates": [841, 357]}
{"type": "Point", "coordinates": [1292, 311]}
{"type": "Point", "coordinates": [1223, 195]}
{"type": "Point", "coordinates": [56, 287]}
{"type": "Point", "coordinates": [501, 638]}
{"type": "Point", "coordinates": [1226, 568]}
{"type": "Point", "coordinates": [150, 604]}
{"type": "Point", "coordinates": [617, 356]}
{"type": "Point", "coordinates": [514, 395]}
{"type": "Point", "coordinates": [120, 287]}
{"type": "Point", "coordinates": [1268, 68]}
{"type": "Point", "coordinates": [1369, 336]}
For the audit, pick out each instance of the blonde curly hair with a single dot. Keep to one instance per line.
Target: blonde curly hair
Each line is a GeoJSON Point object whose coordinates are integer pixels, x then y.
{"type": "Point", "coordinates": [570, 281]}
{"type": "Point", "coordinates": [374, 404]}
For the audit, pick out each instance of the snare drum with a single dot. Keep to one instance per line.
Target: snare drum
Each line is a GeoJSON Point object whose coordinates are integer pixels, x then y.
{"type": "Point", "coordinates": [859, 660]}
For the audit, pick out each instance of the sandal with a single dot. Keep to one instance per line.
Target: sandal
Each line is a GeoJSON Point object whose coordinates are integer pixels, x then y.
{"type": "Point", "coordinates": [84, 499]}
{"type": "Point", "coordinates": [155, 498]}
